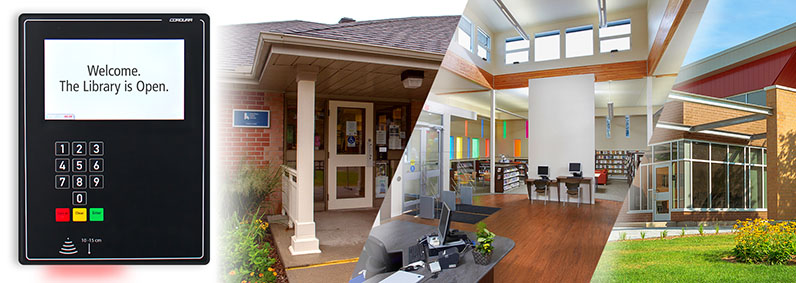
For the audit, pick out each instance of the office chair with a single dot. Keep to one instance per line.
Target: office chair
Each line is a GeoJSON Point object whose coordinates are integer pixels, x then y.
{"type": "Point", "coordinates": [541, 187]}
{"type": "Point", "coordinates": [573, 188]}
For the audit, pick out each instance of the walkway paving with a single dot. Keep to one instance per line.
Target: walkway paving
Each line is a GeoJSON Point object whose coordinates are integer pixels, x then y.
{"type": "Point", "coordinates": [342, 235]}
{"type": "Point", "coordinates": [635, 232]}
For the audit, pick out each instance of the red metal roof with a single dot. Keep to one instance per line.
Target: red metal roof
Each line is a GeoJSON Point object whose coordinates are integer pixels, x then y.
{"type": "Point", "coordinates": [778, 68]}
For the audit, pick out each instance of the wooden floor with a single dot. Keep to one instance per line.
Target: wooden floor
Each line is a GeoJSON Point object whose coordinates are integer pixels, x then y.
{"type": "Point", "coordinates": [554, 243]}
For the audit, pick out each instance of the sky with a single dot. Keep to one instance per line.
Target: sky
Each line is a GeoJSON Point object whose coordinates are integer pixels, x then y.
{"type": "Point", "coordinates": [727, 23]}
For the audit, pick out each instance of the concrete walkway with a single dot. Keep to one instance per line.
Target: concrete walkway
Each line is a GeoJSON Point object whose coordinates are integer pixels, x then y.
{"type": "Point", "coordinates": [651, 233]}
{"type": "Point", "coordinates": [341, 233]}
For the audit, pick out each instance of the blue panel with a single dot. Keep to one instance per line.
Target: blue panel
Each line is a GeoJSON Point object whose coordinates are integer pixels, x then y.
{"type": "Point", "coordinates": [251, 118]}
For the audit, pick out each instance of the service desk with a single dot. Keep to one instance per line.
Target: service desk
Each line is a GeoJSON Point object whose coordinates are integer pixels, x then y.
{"type": "Point", "coordinates": [398, 235]}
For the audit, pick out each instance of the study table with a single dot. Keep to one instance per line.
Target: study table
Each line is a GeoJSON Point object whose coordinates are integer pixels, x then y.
{"type": "Point", "coordinates": [557, 184]}
{"type": "Point", "coordinates": [398, 235]}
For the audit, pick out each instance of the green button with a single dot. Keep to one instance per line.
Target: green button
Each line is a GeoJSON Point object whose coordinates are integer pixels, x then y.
{"type": "Point", "coordinates": [96, 214]}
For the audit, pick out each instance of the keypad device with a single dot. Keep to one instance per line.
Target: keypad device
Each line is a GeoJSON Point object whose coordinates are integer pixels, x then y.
{"type": "Point", "coordinates": [153, 131]}
{"type": "Point", "coordinates": [70, 173]}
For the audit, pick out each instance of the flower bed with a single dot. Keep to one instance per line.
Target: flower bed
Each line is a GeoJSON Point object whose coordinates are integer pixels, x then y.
{"type": "Point", "coordinates": [248, 256]}
{"type": "Point", "coordinates": [764, 241]}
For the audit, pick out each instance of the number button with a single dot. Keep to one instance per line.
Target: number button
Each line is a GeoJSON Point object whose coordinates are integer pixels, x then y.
{"type": "Point", "coordinates": [61, 148]}
{"type": "Point", "coordinates": [96, 182]}
{"type": "Point", "coordinates": [79, 165]}
{"type": "Point", "coordinates": [79, 182]}
{"type": "Point", "coordinates": [96, 148]}
{"type": "Point", "coordinates": [62, 182]}
{"type": "Point", "coordinates": [79, 148]}
{"type": "Point", "coordinates": [96, 165]}
{"type": "Point", "coordinates": [79, 198]}
{"type": "Point", "coordinates": [62, 165]}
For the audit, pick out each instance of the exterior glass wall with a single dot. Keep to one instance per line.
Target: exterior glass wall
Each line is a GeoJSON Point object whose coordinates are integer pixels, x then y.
{"type": "Point", "coordinates": [706, 176]}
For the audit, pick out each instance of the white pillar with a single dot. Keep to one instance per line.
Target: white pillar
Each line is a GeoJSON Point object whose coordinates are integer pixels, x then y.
{"type": "Point", "coordinates": [304, 240]}
{"type": "Point", "coordinates": [446, 152]}
{"type": "Point", "coordinates": [492, 145]}
{"type": "Point", "coordinates": [649, 110]}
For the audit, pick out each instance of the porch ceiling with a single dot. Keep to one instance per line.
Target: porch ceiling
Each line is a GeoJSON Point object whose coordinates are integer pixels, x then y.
{"type": "Point", "coordinates": [345, 74]}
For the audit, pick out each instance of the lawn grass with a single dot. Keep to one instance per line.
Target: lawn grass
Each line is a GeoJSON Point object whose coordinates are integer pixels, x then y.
{"type": "Point", "coordinates": [687, 259]}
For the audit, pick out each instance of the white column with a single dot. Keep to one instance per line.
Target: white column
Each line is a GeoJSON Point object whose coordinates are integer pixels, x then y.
{"type": "Point", "coordinates": [492, 145]}
{"type": "Point", "coordinates": [304, 240]}
{"type": "Point", "coordinates": [649, 110]}
{"type": "Point", "coordinates": [446, 151]}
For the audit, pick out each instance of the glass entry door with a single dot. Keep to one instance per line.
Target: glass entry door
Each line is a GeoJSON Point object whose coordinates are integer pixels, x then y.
{"type": "Point", "coordinates": [350, 140]}
{"type": "Point", "coordinates": [421, 165]}
{"type": "Point", "coordinates": [662, 192]}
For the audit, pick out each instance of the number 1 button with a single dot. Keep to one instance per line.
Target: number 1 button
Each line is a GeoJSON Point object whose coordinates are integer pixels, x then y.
{"type": "Point", "coordinates": [62, 148]}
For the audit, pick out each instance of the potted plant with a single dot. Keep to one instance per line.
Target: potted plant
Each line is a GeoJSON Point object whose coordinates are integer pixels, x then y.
{"type": "Point", "coordinates": [483, 246]}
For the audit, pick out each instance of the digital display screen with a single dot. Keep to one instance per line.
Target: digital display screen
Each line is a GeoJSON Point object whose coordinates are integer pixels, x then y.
{"type": "Point", "coordinates": [114, 79]}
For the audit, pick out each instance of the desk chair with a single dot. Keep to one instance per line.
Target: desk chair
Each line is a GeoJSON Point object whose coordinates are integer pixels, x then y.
{"type": "Point", "coordinates": [573, 187]}
{"type": "Point", "coordinates": [541, 187]}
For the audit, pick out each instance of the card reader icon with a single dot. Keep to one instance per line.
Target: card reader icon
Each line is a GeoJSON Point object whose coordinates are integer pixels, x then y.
{"type": "Point", "coordinates": [68, 248]}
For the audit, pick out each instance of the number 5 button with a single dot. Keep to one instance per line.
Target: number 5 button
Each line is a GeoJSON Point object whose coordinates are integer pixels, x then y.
{"type": "Point", "coordinates": [96, 165]}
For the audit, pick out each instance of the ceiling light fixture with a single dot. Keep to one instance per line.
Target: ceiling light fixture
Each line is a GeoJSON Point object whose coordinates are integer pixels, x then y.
{"type": "Point", "coordinates": [412, 78]}
{"type": "Point", "coordinates": [602, 14]}
{"type": "Point", "coordinates": [511, 19]}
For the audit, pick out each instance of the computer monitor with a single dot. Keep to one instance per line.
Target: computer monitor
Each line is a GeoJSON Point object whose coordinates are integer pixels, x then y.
{"type": "Point", "coordinates": [574, 167]}
{"type": "Point", "coordinates": [543, 171]}
{"type": "Point", "coordinates": [444, 223]}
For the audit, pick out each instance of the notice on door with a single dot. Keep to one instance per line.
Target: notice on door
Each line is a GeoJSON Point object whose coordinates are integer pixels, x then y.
{"type": "Point", "coordinates": [351, 128]}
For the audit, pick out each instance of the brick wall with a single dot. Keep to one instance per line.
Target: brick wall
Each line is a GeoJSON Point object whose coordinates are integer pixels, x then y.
{"type": "Point", "coordinates": [692, 114]}
{"type": "Point", "coordinates": [781, 178]}
{"type": "Point", "coordinates": [258, 146]}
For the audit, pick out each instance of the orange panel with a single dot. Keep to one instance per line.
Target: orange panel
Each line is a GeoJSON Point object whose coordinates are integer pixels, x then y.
{"type": "Point", "coordinates": [517, 148]}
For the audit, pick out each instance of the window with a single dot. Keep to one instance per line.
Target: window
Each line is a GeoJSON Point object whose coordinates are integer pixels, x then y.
{"type": "Point", "coordinates": [700, 179]}
{"type": "Point", "coordinates": [756, 97]}
{"type": "Point", "coordinates": [464, 34]}
{"type": "Point", "coordinates": [580, 41]}
{"type": "Point", "coordinates": [718, 185]}
{"type": "Point", "coordinates": [547, 46]}
{"type": "Point", "coordinates": [615, 37]}
{"type": "Point", "coordinates": [484, 45]}
{"type": "Point", "coordinates": [518, 50]}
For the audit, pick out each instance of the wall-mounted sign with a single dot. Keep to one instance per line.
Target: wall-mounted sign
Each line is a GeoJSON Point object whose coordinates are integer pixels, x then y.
{"type": "Point", "coordinates": [251, 118]}
{"type": "Point", "coordinates": [627, 126]}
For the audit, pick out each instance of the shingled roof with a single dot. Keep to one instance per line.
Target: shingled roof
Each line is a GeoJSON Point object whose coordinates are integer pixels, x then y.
{"type": "Point", "coordinates": [426, 34]}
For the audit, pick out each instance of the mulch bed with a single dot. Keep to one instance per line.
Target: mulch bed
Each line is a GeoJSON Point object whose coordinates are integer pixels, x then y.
{"type": "Point", "coordinates": [673, 237]}
{"type": "Point", "coordinates": [732, 259]}
{"type": "Point", "coordinates": [277, 266]}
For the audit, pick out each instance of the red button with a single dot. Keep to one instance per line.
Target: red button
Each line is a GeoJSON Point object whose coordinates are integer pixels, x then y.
{"type": "Point", "coordinates": [61, 215]}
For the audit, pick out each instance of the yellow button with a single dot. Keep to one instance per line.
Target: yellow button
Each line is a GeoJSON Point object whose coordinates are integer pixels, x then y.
{"type": "Point", "coordinates": [79, 214]}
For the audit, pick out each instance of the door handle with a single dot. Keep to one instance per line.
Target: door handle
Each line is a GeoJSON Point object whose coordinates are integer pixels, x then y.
{"type": "Point", "coordinates": [369, 151]}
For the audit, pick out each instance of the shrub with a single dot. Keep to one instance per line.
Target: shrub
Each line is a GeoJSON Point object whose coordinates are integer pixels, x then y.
{"type": "Point", "coordinates": [664, 233]}
{"type": "Point", "coordinates": [245, 254]}
{"type": "Point", "coordinates": [717, 228]}
{"type": "Point", "coordinates": [643, 234]}
{"type": "Point", "coordinates": [701, 229]}
{"type": "Point", "coordinates": [764, 241]}
{"type": "Point", "coordinates": [623, 236]}
{"type": "Point", "coordinates": [682, 232]}
{"type": "Point", "coordinates": [251, 184]}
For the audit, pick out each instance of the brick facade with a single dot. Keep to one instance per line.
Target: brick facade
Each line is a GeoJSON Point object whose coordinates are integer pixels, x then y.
{"type": "Point", "coordinates": [698, 216]}
{"type": "Point", "coordinates": [692, 114]}
{"type": "Point", "coordinates": [781, 155]}
{"type": "Point", "coordinates": [259, 146]}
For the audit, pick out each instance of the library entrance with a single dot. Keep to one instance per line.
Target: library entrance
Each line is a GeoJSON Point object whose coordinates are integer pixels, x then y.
{"type": "Point", "coordinates": [350, 171]}
{"type": "Point", "coordinates": [421, 161]}
{"type": "Point", "coordinates": [663, 196]}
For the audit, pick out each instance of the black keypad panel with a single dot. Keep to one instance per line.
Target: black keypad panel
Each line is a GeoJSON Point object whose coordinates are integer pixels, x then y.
{"type": "Point", "coordinates": [72, 166]}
